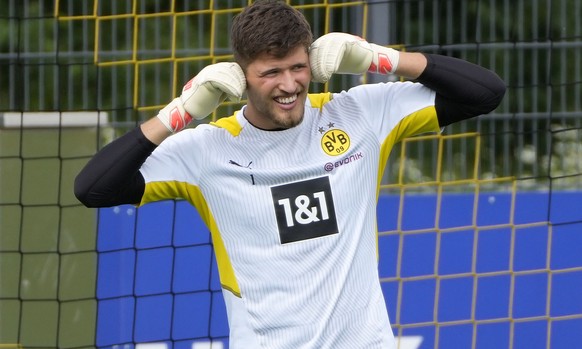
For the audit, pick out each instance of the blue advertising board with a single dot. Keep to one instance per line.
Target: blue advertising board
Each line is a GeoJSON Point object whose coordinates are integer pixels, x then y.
{"type": "Point", "coordinates": [157, 278]}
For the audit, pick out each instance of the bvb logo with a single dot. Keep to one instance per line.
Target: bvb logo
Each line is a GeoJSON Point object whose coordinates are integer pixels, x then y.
{"type": "Point", "coordinates": [335, 142]}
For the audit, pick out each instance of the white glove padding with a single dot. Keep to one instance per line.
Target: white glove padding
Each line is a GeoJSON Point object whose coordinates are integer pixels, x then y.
{"type": "Point", "coordinates": [348, 54]}
{"type": "Point", "coordinates": [203, 94]}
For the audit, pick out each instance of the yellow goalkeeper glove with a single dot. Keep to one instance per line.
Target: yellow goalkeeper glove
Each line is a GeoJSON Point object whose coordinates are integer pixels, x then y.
{"type": "Point", "coordinates": [348, 54]}
{"type": "Point", "coordinates": [204, 93]}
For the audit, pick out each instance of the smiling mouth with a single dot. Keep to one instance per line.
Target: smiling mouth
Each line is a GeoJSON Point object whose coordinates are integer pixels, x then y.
{"type": "Point", "coordinates": [286, 100]}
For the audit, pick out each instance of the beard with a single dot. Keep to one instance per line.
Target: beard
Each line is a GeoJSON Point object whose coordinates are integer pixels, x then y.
{"type": "Point", "coordinates": [267, 114]}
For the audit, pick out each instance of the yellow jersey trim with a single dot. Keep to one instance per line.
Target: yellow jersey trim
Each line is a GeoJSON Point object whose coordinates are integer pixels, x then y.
{"type": "Point", "coordinates": [156, 191]}
{"type": "Point", "coordinates": [318, 100]}
{"type": "Point", "coordinates": [421, 121]}
{"type": "Point", "coordinates": [230, 124]}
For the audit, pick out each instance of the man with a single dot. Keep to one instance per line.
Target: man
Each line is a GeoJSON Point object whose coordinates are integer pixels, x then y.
{"type": "Point", "coordinates": [288, 185]}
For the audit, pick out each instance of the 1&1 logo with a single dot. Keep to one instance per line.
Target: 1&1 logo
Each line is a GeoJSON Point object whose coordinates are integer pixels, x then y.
{"type": "Point", "coordinates": [335, 142]}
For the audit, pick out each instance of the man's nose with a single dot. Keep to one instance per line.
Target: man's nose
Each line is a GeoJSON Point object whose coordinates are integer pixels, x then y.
{"type": "Point", "coordinates": [287, 81]}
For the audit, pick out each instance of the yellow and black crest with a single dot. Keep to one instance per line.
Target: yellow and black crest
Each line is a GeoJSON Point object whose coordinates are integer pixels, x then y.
{"type": "Point", "coordinates": [335, 142]}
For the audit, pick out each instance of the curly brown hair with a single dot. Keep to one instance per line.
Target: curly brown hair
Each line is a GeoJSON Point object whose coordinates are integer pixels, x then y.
{"type": "Point", "coordinates": [268, 26]}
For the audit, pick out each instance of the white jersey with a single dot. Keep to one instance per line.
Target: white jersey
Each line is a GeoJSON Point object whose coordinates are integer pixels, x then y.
{"type": "Point", "coordinates": [292, 213]}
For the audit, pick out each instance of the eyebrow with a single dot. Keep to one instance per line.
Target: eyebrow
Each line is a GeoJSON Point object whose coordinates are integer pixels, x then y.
{"type": "Point", "coordinates": [268, 71]}
{"type": "Point", "coordinates": [300, 65]}
{"type": "Point", "coordinates": [276, 69]}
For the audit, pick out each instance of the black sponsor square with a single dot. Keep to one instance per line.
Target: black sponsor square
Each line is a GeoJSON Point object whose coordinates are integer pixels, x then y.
{"type": "Point", "coordinates": [304, 209]}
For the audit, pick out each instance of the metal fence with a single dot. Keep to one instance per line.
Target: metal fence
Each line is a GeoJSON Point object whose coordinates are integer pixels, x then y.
{"type": "Point", "coordinates": [95, 55]}
{"type": "Point", "coordinates": [126, 58]}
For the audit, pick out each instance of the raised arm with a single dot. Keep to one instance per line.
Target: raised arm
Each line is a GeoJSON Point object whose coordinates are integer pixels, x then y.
{"type": "Point", "coordinates": [112, 176]}
{"type": "Point", "coordinates": [463, 89]}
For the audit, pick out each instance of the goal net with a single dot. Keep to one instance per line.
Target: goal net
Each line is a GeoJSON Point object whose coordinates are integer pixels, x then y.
{"type": "Point", "coordinates": [480, 227]}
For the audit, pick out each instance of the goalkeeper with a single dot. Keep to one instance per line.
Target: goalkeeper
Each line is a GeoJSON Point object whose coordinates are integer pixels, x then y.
{"type": "Point", "coordinates": [288, 185]}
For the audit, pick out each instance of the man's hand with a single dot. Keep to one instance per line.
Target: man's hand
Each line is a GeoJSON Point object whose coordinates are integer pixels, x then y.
{"type": "Point", "coordinates": [348, 54]}
{"type": "Point", "coordinates": [204, 93]}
